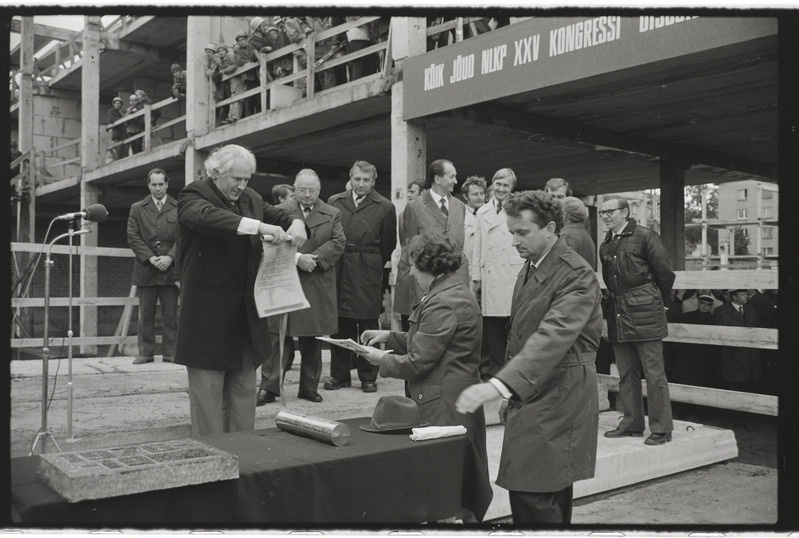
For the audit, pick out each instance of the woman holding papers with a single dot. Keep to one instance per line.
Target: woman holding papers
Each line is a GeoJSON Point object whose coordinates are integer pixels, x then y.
{"type": "Point", "coordinates": [440, 355]}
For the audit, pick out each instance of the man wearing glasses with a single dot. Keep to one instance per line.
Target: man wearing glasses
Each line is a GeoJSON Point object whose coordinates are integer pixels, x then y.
{"type": "Point", "coordinates": [638, 275]}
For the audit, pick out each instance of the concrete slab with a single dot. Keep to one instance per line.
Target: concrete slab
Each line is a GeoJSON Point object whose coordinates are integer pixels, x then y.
{"type": "Point", "coordinates": [625, 461]}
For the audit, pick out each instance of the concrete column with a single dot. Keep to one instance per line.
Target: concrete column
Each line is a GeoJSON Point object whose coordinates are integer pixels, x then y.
{"type": "Point", "coordinates": [27, 219]}
{"type": "Point", "coordinates": [90, 159]}
{"type": "Point", "coordinates": [194, 163]}
{"type": "Point", "coordinates": [408, 139]}
{"type": "Point", "coordinates": [198, 89]}
{"type": "Point", "coordinates": [672, 211]}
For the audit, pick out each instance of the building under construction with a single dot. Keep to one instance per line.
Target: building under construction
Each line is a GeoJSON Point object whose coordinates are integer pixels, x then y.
{"type": "Point", "coordinates": [610, 103]}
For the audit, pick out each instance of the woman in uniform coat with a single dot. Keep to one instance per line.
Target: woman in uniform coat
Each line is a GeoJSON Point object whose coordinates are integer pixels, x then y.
{"type": "Point", "coordinates": [440, 355]}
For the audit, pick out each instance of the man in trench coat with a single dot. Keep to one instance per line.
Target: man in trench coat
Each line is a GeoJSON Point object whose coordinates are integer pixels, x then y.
{"type": "Point", "coordinates": [152, 236]}
{"type": "Point", "coordinates": [494, 266]}
{"type": "Point", "coordinates": [549, 379]}
{"type": "Point", "coordinates": [316, 264]}
{"type": "Point", "coordinates": [370, 225]}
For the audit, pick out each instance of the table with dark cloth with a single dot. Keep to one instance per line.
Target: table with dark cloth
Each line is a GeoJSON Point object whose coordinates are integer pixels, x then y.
{"type": "Point", "coordinates": [285, 479]}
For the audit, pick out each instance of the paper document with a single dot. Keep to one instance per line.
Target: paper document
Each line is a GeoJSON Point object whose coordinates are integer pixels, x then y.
{"type": "Point", "coordinates": [277, 284]}
{"type": "Point", "coordinates": [348, 343]}
{"type": "Point", "coordinates": [436, 432]}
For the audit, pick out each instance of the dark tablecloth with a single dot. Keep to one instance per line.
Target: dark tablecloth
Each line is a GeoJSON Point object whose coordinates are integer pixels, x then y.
{"type": "Point", "coordinates": [286, 479]}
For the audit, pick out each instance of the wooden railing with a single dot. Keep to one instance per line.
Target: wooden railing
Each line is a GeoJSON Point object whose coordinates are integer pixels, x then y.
{"type": "Point", "coordinates": [149, 129]}
{"type": "Point", "coordinates": [715, 335]}
{"type": "Point", "coordinates": [51, 159]}
{"type": "Point", "coordinates": [282, 91]}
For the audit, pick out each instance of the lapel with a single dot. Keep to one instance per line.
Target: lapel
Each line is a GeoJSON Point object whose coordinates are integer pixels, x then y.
{"type": "Point", "coordinates": [347, 202]}
{"type": "Point", "coordinates": [492, 218]}
{"type": "Point", "coordinates": [524, 292]}
{"type": "Point", "coordinates": [366, 200]}
{"type": "Point", "coordinates": [434, 209]}
{"type": "Point", "coordinates": [318, 215]}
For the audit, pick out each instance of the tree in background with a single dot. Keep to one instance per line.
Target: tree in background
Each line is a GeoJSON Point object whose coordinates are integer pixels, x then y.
{"type": "Point", "coordinates": [693, 211]}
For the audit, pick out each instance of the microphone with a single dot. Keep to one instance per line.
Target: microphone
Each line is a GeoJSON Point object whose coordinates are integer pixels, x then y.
{"type": "Point", "coordinates": [93, 213]}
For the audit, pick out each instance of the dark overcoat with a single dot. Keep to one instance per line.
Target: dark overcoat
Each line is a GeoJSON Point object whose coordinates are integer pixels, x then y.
{"type": "Point", "coordinates": [371, 232]}
{"type": "Point", "coordinates": [153, 233]}
{"type": "Point", "coordinates": [423, 216]}
{"type": "Point", "coordinates": [217, 276]}
{"type": "Point", "coordinates": [576, 236]}
{"type": "Point", "coordinates": [326, 239]}
{"type": "Point", "coordinates": [738, 364]}
{"type": "Point", "coordinates": [551, 430]}
{"type": "Point", "coordinates": [638, 275]}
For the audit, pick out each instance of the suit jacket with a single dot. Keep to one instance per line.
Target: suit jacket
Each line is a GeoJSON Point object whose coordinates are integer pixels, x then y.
{"type": "Point", "coordinates": [495, 262]}
{"type": "Point", "coordinates": [371, 232]}
{"type": "Point", "coordinates": [421, 216]}
{"type": "Point", "coordinates": [738, 364]}
{"type": "Point", "coordinates": [217, 272]}
{"type": "Point", "coordinates": [153, 233]}
{"type": "Point", "coordinates": [327, 241]}
{"type": "Point", "coordinates": [440, 357]}
{"type": "Point", "coordinates": [555, 323]}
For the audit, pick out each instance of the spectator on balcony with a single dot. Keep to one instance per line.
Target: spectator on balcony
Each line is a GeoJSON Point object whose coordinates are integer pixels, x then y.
{"type": "Point", "coordinates": [214, 72]}
{"type": "Point", "coordinates": [237, 83]}
{"type": "Point", "coordinates": [141, 95]}
{"type": "Point", "coordinates": [277, 39]}
{"type": "Point", "coordinates": [133, 127]}
{"type": "Point", "coordinates": [359, 38]}
{"type": "Point", "coordinates": [227, 65]}
{"type": "Point", "coordinates": [115, 113]}
{"type": "Point", "coordinates": [178, 82]}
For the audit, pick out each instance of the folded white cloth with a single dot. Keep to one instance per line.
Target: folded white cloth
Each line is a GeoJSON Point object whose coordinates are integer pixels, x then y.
{"type": "Point", "coordinates": [436, 432]}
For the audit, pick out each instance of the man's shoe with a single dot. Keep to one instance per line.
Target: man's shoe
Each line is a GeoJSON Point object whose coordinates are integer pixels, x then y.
{"type": "Point", "coordinates": [169, 358]}
{"type": "Point", "coordinates": [622, 433]}
{"type": "Point", "coordinates": [334, 384]}
{"type": "Point", "coordinates": [310, 396]}
{"type": "Point", "coordinates": [142, 360]}
{"type": "Point", "coordinates": [658, 439]}
{"type": "Point", "coordinates": [369, 387]}
{"type": "Point", "coordinates": [264, 397]}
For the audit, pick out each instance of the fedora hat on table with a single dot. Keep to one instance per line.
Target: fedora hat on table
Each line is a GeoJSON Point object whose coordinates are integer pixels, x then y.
{"type": "Point", "coordinates": [394, 414]}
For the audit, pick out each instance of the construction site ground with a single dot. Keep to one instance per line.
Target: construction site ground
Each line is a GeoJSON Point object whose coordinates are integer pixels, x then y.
{"type": "Point", "coordinates": [115, 402]}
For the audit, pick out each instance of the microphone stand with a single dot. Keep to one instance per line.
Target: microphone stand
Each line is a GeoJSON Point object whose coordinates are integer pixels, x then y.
{"type": "Point", "coordinates": [43, 434]}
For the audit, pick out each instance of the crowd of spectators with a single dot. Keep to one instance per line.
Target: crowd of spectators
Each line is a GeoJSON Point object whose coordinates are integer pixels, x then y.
{"type": "Point", "coordinates": [130, 128]}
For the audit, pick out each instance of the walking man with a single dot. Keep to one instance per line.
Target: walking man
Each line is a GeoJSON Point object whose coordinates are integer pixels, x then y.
{"type": "Point", "coordinates": [549, 380]}
{"type": "Point", "coordinates": [370, 226]}
{"type": "Point", "coordinates": [638, 275]}
{"type": "Point", "coordinates": [152, 235]}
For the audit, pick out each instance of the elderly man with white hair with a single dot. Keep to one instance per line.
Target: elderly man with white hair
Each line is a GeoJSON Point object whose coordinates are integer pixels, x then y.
{"type": "Point", "coordinates": [220, 220]}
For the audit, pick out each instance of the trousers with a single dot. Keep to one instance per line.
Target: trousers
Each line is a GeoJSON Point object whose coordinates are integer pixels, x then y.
{"type": "Point", "coordinates": [221, 401]}
{"type": "Point", "coordinates": [495, 342]}
{"type": "Point", "coordinates": [148, 299]}
{"type": "Point", "coordinates": [310, 365]}
{"type": "Point", "coordinates": [547, 507]}
{"type": "Point", "coordinates": [340, 358]}
{"type": "Point", "coordinates": [632, 358]}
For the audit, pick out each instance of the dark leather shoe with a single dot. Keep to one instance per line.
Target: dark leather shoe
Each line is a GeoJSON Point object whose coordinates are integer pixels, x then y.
{"type": "Point", "coordinates": [658, 439]}
{"type": "Point", "coordinates": [142, 360]}
{"type": "Point", "coordinates": [622, 433]}
{"type": "Point", "coordinates": [335, 385]}
{"type": "Point", "coordinates": [310, 396]}
{"type": "Point", "coordinates": [169, 358]}
{"type": "Point", "coordinates": [264, 397]}
{"type": "Point", "coordinates": [369, 387]}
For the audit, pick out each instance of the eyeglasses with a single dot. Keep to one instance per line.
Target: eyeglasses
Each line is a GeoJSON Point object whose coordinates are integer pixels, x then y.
{"type": "Point", "coordinates": [607, 212]}
{"type": "Point", "coordinates": [306, 191]}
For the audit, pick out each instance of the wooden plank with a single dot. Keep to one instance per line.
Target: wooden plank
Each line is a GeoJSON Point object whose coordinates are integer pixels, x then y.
{"type": "Point", "coordinates": [762, 404]}
{"type": "Point", "coordinates": [55, 341]}
{"type": "Point", "coordinates": [33, 302]}
{"type": "Point", "coordinates": [715, 335]}
{"type": "Point", "coordinates": [353, 56]}
{"type": "Point", "coordinates": [71, 143]}
{"type": "Point", "coordinates": [63, 162]}
{"type": "Point", "coordinates": [170, 123]}
{"type": "Point", "coordinates": [64, 249]}
{"type": "Point", "coordinates": [766, 279]}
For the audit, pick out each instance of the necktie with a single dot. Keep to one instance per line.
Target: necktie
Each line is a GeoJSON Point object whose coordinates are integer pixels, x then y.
{"type": "Point", "coordinates": [499, 208]}
{"type": "Point", "coordinates": [474, 212]}
{"type": "Point", "coordinates": [358, 201]}
{"type": "Point", "coordinates": [306, 211]}
{"type": "Point", "coordinates": [159, 204]}
{"type": "Point", "coordinates": [530, 271]}
{"type": "Point", "coordinates": [740, 309]}
{"type": "Point", "coordinates": [444, 207]}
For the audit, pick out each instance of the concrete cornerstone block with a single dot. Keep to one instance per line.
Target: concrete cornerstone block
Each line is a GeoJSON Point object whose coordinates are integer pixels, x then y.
{"type": "Point", "coordinates": [122, 470]}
